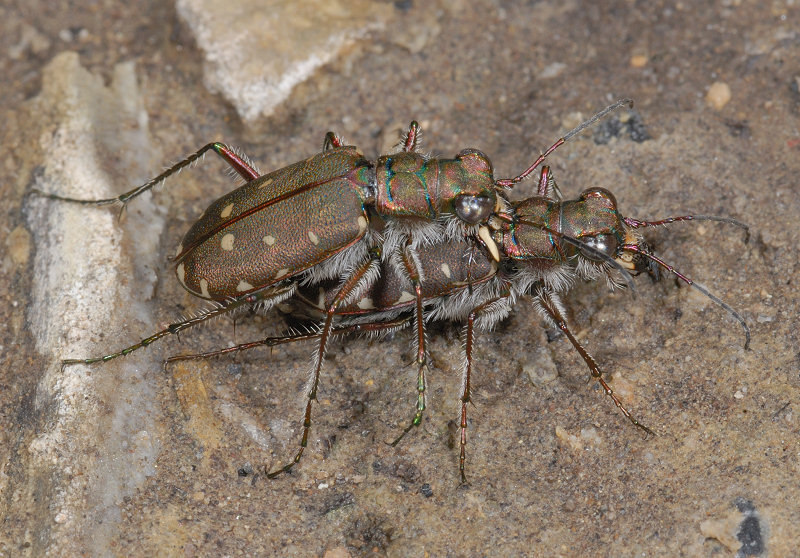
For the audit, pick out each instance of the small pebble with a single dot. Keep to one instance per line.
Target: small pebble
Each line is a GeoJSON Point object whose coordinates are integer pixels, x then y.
{"type": "Point", "coordinates": [723, 530]}
{"type": "Point", "coordinates": [541, 370]}
{"type": "Point", "coordinates": [591, 436]}
{"type": "Point", "coordinates": [718, 95]}
{"type": "Point", "coordinates": [638, 61]}
{"type": "Point", "coordinates": [570, 439]}
{"type": "Point", "coordinates": [552, 70]}
{"type": "Point", "coordinates": [18, 243]}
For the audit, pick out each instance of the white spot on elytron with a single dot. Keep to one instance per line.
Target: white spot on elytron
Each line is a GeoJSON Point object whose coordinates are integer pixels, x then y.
{"type": "Point", "coordinates": [405, 296]}
{"type": "Point", "coordinates": [180, 249]}
{"type": "Point", "coordinates": [181, 271]}
{"type": "Point", "coordinates": [226, 211]}
{"type": "Point", "coordinates": [269, 240]}
{"type": "Point", "coordinates": [366, 304]}
{"type": "Point", "coordinates": [362, 224]}
{"type": "Point", "coordinates": [227, 242]}
{"type": "Point", "coordinates": [446, 270]}
{"type": "Point", "coordinates": [313, 238]}
{"type": "Point", "coordinates": [281, 273]}
{"type": "Point", "coordinates": [204, 288]}
{"type": "Point", "coordinates": [243, 286]}
{"type": "Point", "coordinates": [266, 183]}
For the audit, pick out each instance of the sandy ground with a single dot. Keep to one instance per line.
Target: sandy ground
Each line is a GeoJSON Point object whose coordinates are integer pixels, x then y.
{"type": "Point", "coordinates": [125, 459]}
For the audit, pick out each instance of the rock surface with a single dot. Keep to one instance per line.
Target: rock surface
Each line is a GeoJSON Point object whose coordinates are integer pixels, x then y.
{"type": "Point", "coordinates": [125, 459]}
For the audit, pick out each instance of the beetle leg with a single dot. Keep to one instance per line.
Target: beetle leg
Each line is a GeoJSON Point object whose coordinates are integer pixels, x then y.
{"type": "Point", "coordinates": [368, 327]}
{"type": "Point", "coordinates": [273, 294]}
{"type": "Point", "coordinates": [549, 302]}
{"type": "Point", "coordinates": [376, 327]}
{"type": "Point", "coordinates": [421, 358]}
{"type": "Point", "coordinates": [469, 334]}
{"type": "Point", "coordinates": [237, 163]}
{"type": "Point", "coordinates": [543, 177]}
{"type": "Point", "coordinates": [354, 284]}
{"type": "Point", "coordinates": [547, 185]}
{"type": "Point", "coordinates": [412, 137]}
{"type": "Point", "coordinates": [331, 140]}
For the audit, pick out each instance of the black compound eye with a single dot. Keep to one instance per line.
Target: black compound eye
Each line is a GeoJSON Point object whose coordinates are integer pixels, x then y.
{"type": "Point", "coordinates": [473, 209]}
{"type": "Point", "coordinates": [594, 247]}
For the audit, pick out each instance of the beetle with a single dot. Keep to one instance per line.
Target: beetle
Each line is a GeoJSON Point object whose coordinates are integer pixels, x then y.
{"type": "Point", "coordinates": [545, 243]}
{"type": "Point", "coordinates": [309, 222]}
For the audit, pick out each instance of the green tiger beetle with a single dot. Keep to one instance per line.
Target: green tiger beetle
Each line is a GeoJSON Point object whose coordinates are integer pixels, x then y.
{"type": "Point", "coordinates": [310, 222]}
{"type": "Point", "coordinates": [545, 244]}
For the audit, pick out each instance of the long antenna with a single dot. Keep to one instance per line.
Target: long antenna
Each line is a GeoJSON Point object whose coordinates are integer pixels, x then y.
{"type": "Point", "coordinates": [509, 182]}
{"type": "Point", "coordinates": [636, 223]}
{"type": "Point", "coordinates": [698, 286]}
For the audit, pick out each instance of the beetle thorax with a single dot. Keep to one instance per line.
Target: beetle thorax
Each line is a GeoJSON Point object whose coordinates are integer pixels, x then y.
{"type": "Point", "coordinates": [409, 185]}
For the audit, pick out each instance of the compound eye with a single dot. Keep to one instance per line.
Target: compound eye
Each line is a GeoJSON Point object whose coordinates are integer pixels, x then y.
{"type": "Point", "coordinates": [595, 247]}
{"type": "Point", "coordinates": [473, 209]}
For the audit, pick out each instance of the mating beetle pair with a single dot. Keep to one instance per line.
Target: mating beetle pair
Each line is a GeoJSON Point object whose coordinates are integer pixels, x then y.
{"type": "Point", "coordinates": [448, 240]}
{"type": "Point", "coordinates": [544, 244]}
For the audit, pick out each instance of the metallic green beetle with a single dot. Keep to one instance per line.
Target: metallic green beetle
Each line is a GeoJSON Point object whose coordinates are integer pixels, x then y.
{"type": "Point", "coordinates": [310, 222]}
{"type": "Point", "coordinates": [545, 244]}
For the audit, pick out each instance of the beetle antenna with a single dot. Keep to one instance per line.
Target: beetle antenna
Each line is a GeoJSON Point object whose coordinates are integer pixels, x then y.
{"type": "Point", "coordinates": [635, 223]}
{"type": "Point", "coordinates": [698, 286]}
{"type": "Point", "coordinates": [509, 182]}
{"type": "Point", "coordinates": [585, 124]}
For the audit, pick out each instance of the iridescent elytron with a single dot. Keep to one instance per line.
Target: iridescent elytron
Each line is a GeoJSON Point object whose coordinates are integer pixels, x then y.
{"type": "Point", "coordinates": [544, 244]}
